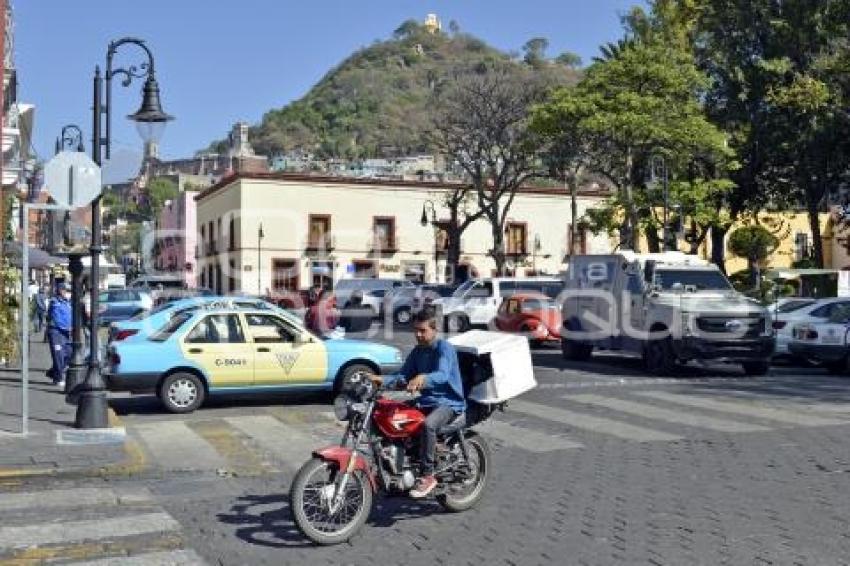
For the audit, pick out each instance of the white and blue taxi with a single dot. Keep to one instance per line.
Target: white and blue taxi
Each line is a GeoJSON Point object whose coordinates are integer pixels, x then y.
{"type": "Point", "coordinates": [213, 351]}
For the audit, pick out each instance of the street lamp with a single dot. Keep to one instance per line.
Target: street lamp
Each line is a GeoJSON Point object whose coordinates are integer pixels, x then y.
{"type": "Point", "coordinates": [71, 137]}
{"type": "Point", "coordinates": [428, 207]}
{"type": "Point", "coordinates": [150, 121]}
{"type": "Point", "coordinates": [658, 168]}
{"type": "Point", "coordinates": [536, 247]}
{"type": "Point", "coordinates": [260, 236]}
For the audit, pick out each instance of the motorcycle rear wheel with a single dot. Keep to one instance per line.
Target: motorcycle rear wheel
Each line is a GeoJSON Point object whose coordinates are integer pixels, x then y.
{"type": "Point", "coordinates": [465, 495]}
{"type": "Point", "coordinates": [311, 515]}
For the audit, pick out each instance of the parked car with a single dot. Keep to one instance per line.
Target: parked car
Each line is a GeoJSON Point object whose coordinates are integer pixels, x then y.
{"type": "Point", "coordinates": [534, 315]}
{"type": "Point", "coordinates": [122, 304]}
{"type": "Point", "coordinates": [216, 351]}
{"type": "Point", "coordinates": [824, 341]}
{"type": "Point", "coordinates": [345, 287]}
{"type": "Point", "coordinates": [404, 302]}
{"type": "Point", "coordinates": [476, 301]}
{"type": "Point", "coordinates": [165, 296]}
{"type": "Point", "coordinates": [798, 311]}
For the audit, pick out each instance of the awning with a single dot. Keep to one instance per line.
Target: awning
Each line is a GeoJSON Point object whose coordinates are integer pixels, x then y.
{"type": "Point", "coordinates": [797, 273]}
{"type": "Point", "coordinates": [37, 258]}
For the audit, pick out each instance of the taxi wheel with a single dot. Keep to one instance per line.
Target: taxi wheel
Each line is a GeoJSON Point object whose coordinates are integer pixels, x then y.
{"type": "Point", "coordinates": [345, 378]}
{"type": "Point", "coordinates": [182, 392]}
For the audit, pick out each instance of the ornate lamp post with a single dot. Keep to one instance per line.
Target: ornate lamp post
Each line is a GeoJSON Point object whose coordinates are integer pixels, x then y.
{"type": "Point", "coordinates": [150, 121]}
{"type": "Point", "coordinates": [428, 207]}
{"type": "Point", "coordinates": [71, 138]}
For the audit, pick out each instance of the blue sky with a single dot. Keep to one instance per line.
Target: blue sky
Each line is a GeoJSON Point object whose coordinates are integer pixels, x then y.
{"type": "Point", "coordinates": [219, 62]}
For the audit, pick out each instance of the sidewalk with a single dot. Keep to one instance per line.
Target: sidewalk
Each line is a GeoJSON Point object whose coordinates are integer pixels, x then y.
{"type": "Point", "coordinates": [40, 452]}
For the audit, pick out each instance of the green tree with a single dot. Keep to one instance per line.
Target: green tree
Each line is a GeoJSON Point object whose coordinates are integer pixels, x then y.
{"type": "Point", "coordinates": [160, 190]}
{"type": "Point", "coordinates": [568, 59]}
{"type": "Point", "coordinates": [535, 51]}
{"type": "Point", "coordinates": [755, 244]}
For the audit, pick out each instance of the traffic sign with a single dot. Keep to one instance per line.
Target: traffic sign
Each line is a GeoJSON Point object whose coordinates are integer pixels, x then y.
{"type": "Point", "coordinates": [72, 179]}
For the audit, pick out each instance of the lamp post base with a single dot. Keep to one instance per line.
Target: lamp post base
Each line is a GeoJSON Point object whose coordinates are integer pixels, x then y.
{"type": "Point", "coordinates": [92, 403]}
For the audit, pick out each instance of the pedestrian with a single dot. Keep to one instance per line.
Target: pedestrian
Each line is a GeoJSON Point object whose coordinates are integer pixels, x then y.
{"type": "Point", "coordinates": [322, 317]}
{"type": "Point", "coordinates": [39, 309]}
{"type": "Point", "coordinates": [59, 333]}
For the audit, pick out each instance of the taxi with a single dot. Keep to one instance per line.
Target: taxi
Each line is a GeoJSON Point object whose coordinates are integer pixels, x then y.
{"type": "Point", "coordinates": [213, 351]}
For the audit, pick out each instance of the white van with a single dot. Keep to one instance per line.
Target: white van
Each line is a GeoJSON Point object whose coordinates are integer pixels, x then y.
{"type": "Point", "coordinates": [476, 301]}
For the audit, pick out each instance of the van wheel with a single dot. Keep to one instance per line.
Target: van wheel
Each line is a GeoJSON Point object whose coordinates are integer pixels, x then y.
{"type": "Point", "coordinates": [576, 351]}
{"type": "Point", "coordinates": [756, 368]}
{"type": "Point", "coordinates": [456, 323]}
{"type": "Point", "coordinates": [659, 358]}
{"type": "Point", "coordinates": [182, 392]}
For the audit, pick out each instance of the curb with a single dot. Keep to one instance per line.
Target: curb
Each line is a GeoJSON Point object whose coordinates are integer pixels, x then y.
{"type": "Point", "coordinates": [134, 462]}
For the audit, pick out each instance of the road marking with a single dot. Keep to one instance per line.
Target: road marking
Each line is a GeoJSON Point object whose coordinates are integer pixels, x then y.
{"type": "Point", "coordinates": [285, 443]}
{"type": "Point", "coordinates": [78, 531]}
{"type": "Point", "coordinates": [589, 422]}
{"type": "Point", "coordinates": [524, 438]}
{"type": "Point", "coordinates": [784, 415]}
{"type": "Point", "coordinates": [231, 444]}
{"type": "Point", "coordinates": [173, 445]}
{"type": "Point", "coordinates": [57, 498]}
{"type": "Point", "coordinates": [173, 558]}
{"type": "Point", "coordinates": [669, 415]}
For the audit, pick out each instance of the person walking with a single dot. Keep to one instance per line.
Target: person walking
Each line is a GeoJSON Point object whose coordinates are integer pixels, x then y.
{"type": "Point", "coordinates": [59, 334]}
{"type": "Point", "coordinates": [40, 301]}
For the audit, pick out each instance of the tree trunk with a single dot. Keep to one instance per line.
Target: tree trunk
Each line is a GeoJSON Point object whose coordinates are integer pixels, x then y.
{"type": "Point", "coordinates": [718, 247]}
{"type": "Point", "coordinates": [498, 247]}
{"type": "Point", "coordinates": [814, 226]}
{"type": "Point", "coordinates": [653, 242]}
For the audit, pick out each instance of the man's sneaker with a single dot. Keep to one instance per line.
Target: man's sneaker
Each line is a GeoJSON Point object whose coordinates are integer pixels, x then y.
{"type": "Point", "coordinates": [423, 488]}
{"type": "Point", "coordinates": [60, 384]}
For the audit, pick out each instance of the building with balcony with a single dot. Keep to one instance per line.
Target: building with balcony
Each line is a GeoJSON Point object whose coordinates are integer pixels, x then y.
{"type": "Point", "coordinates": [262, 233]}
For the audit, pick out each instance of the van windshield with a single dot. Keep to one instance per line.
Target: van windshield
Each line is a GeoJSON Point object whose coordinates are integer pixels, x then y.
{"type": "Point", "coordinates": [701, 279]}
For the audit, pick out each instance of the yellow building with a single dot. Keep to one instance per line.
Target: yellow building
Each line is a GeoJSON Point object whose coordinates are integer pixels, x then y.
{"type": "Point", "coordinates": [283, 231]}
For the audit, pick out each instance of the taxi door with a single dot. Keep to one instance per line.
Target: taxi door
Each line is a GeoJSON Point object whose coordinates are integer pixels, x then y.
{"type": "Point", "coordinates": [285, 354]}
{"type": "Point", "coordinates": [217, 343]}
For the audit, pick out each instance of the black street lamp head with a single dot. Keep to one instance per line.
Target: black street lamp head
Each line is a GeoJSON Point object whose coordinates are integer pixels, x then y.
{"type": "Point", "coordinates": [150, 119]}
{"type": "Point", "coordinates": [423, 220]}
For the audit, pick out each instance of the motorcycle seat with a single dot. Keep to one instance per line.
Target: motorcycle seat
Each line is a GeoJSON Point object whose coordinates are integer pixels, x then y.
{"type": "Point", "coordinates": [455, 425]}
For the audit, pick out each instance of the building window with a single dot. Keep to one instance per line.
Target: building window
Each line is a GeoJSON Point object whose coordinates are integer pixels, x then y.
{"type": "Point", "coordinates": [365, 268]}
{"type": "Point", "coordinates": [285, 275]}
{"type": "Point", "coordinates": [203, 278]}
{"type": "Point", "coordinates": [801, 246]}
{"type": "Point", "coordinates": [581, 239]}
{"type": "Point", "coordinates": [231, 228]}
{"type": "Point", "coordinates": [318, 236]}
{"type": "Point", "coordinates": [203, 242]}
{"type": "Point", "coordinates": [516, 235]}
{"type": "Point", "coordinates": [211, 246]}
{"type": "Point", "coordinates": [442, 236]}
{"type": "Point", "coordinates": [218, 287]}
{"type": "Point", "coordinates": [414, 271]}
{"type": "Point", "coordinates": [231, 276]}
{"type": "Point", "coordinates": [322, 274]}
{"type": "Point", "coordinates": [383, 232]}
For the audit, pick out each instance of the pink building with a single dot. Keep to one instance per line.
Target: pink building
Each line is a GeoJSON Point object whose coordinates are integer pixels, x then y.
{"type": "Point", "coordinates": [176, 235]}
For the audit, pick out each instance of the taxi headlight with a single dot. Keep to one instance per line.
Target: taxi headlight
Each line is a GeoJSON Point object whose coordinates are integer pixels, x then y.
{"type": "Point", "coordinates": [342, 407]}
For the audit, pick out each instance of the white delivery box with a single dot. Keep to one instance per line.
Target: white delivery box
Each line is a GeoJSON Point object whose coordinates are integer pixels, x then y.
{"type": "Point", "coordinates": [507, 359]}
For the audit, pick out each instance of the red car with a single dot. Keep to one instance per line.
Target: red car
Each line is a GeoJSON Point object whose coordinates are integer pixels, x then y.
{"type": "Point", "coordinates": [533, 314]}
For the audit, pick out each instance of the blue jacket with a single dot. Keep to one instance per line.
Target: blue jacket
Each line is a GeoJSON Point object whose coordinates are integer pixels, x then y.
{"type": "Point", "coordinates": [443, 385]}
{"type": "Point", "coordinates": [59, 314]}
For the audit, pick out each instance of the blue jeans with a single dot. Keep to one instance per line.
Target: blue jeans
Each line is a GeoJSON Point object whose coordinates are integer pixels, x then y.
{"type": "Point", "coordinates": [436, 419]}
{"type": "Point", "coordinates": [60, 346]}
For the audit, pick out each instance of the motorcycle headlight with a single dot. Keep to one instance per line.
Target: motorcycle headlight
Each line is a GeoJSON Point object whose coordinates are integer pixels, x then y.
{"type": "Point", "coordinates": [342, 407]}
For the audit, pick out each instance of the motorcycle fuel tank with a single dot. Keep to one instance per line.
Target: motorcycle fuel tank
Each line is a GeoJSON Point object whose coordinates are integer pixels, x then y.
{"type": "Point", "coordinates": [396, 419]}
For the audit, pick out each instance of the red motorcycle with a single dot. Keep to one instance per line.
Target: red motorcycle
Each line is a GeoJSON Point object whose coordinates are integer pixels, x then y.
{"type": "Point", "coordinates": [331, 496]}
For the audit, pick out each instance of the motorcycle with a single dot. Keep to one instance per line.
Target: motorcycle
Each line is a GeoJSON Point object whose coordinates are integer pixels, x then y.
{"type": "Point", "coordinates": [332, 494]}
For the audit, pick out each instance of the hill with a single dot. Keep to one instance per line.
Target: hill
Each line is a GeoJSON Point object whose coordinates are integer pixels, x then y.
{"type": "Point", "coordinates": [378, 102]}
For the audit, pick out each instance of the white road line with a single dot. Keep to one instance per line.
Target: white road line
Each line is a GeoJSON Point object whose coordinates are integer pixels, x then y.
{"type": "Point", "coordinates": [669, 415]}
{"type": "Point", "coordinates": [524, 438]}
{"type": "Point", "coordinates": [175, 446]}
{"type": "Point", "coordinates": [782, 415]}
{"type": "Point", "coordinates": [79, 531]}
{"type": "Point", "coordinates": [57, 498]}
{"type": "Point", "coordinates": [173, 558]}
{"type": "Point", "coordinates": [286, 443]}
{"type": "Point", "coordinates": [589, 422]}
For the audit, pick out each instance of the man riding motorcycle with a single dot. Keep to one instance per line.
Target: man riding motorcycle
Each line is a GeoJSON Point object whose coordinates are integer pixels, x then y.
{"type": "Point", "coordinates": [432, 370]}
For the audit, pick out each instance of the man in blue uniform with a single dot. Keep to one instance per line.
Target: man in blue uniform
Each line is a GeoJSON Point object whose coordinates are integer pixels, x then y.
{"type": "Point", "coordinates": [432, 370]}
{"type": "Point", "coordinates": [59, 333]}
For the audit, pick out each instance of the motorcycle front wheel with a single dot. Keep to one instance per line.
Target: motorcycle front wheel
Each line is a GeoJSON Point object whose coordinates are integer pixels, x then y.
{"type": "Point", "coordinates": [465, 494]}
{"type": "Point", "coordinates": [310, 497]}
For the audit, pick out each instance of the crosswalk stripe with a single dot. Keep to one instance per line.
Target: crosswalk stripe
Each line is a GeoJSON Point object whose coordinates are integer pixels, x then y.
{"type": "Point", "coordinates": [783, 415]}
{"type": "Point", "coordinates": [57, 498]}
{"type": "Point", "coordinates": [669, 415]}
{"type": "Point", "coordinates": [94, 529]}
{"type": "Point", "coordinates": [173, 445]}
{"type": "Point", "coordinates": [524, 438]}
{"type": "Point", "coordinates": [173, 558]}
{"type": "Point", "coordinates": [589, 422]}
{"type": "Point", "coordinates": [286, 443]}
